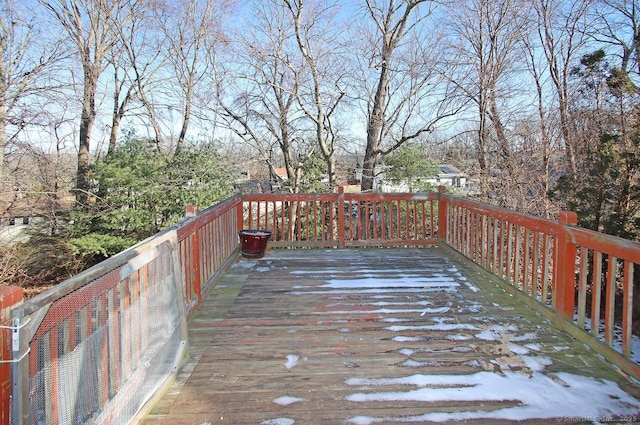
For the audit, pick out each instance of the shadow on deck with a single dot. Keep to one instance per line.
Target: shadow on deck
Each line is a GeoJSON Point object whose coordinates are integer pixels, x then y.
{"type": "Point", "coordinates": [367, 336]}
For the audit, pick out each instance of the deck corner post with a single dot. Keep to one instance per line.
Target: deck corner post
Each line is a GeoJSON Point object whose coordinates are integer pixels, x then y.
{"type": "Point", "coordinates": [443, 205]}
{"type": "Point", "coordinates": [10, 297]}
{"type": "Point", "coordinates": [240, 216]}
{"type": "Point", "coordinates": [191, 211]}
{"type": "Point", "coordinates": [341, 218]}
{"type": "Point", "coordinates": [566, 251]}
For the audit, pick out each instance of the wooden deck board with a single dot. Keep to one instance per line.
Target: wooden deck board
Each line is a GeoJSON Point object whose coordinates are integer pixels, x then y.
{"type": "Point", "coordinates": [300, 336]}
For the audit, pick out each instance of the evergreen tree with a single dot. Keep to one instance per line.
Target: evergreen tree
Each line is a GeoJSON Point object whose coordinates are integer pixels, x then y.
{"type": "Point", "coordinates": [136, 192]}
{"type": "Point", "coordinates": [408, 164]}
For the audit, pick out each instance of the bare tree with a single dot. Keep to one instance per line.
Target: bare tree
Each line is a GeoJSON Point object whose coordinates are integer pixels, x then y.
{"type": "Point", "coordinates": [92, 28]}
{"type": "Point", "coordinates": [401, 54]}
{"type": "Point", "coordinates": [319, 44]}
{"type": "Point", "coordinates": [486, 42]}
{"type": "Point", "coordinates": [546, 140]}
{"type": "Point", "coordinates": [192, 29]}
{"type": "Point", "coordinates": [136, 60]}
{"type": "Point", "coordinates": [258, 93]}
{"type": "Point", "coordinates": [123, 94]}
{"type": "Point", "coordinates": [561, 29]}
{"type": "Point", "coordinates": [618, 26]}
{"type": "Point", "coordinates": [23, 63]}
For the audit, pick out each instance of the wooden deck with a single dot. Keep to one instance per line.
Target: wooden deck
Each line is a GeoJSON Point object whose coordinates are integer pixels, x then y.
{"type": "Point", "coordinates": [360, 336]}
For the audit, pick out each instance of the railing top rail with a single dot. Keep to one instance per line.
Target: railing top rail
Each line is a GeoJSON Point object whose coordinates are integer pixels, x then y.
{"type": "Point", "coordinates": [287, 196]}
{"type": "Point", "coordinates": [92, 273]}
{"type": "Point", "coordinates": [187, 226]}
{"type": "Point", "coordinates": [621, 248]}
{"type": "Point", "coordinates": [403, 196]}
{"type": "Point", "coordinates": [414, 196]}
{"type": "Point", "coordinates": [624, 249]}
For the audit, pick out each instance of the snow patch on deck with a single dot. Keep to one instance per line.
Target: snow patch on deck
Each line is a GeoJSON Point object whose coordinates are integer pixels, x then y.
{"type": "Point", "coordinates": [278, 421]}
{"type": "Point", "coordinates": [287, 400]}
{"type": "Point", "coordinates": [397, 281]}
{"type": "Point", "coordinates": [292, 360]}
{"type": "Point", "coordinates": [538, 396]}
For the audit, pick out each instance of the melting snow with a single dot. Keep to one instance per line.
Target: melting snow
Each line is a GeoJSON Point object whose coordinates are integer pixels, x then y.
{"type": "Point", "coordinates": [458, 337]}
{"type": "Point", "coordinates": [434, 310]}
{"type": "Point", "coordinates": [534, 347]}
{"type": "Point", "coordinates": [279, 421]}
{"type": "Point", "coordinates": [533, 394]}
{"type": "Point", "coordinates": [536, 364]}
{"type": "Point", "coordinates": [407, 338]}
{"type": "Point", "coordinates": [539, 396]}
{"type": "Point", "coordinates": [385, 303]}
{"type": "Point", "coordinates": [378, 311]}
{"type": "Point", "coordinates": [497, 332]}
{"type": "Point", "coordinates": [364, 290]}
{"type": "Point", "coordinates": [292, 360]}
{"type": "Point", "coordinates": [406, 282]}
{"type": "Point", "coordinates": [437, 327]}
{"type": "Point", "coordinates": [392, 320]}
{"type": "Point", "coordinates": [286, 400]}
{"type": "Point", "coordinates": [472, 287]}
{"type": "Point", "coordinates": [517, 349]}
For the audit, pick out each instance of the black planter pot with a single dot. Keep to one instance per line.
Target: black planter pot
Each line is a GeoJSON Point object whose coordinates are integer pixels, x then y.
{"type": "Point", "coordinates": [254, 242]}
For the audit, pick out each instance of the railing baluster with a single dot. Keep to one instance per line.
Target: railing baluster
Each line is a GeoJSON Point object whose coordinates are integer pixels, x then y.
{"type": "Point", "coordinates": [274, 220]}
{"type": "Point", "coordinates": [546, 268]}
{"type": "Point", "coordinates": [517, 257]}
{"type": "Point", "coordinates": [596, 293]}
{"type": "Point", "coordinates": [582, 287]}
{"type": "Point", "coordinates": [52, 396]}
{"type": "Point", "coordinates": [523, 266]}
{"type": "Point", "coordinates": [384, 217]}
{"type": "Point", "coordinates": [609, 315]}
{"type": "Point", "coordinates": [627, 308]}
{"type": "Point", "coordinates": [535, 265]}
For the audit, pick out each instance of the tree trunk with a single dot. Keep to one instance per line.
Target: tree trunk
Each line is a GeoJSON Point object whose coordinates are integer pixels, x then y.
{"type": "Point", "coordinates": [185, 125]}
{"type": "Point", "coordinates": [119, 109]}
{"type": "Point", "coordinates": [3, 139]}
{"type": "Point", "coordinates": [83, 181]}
{"type": "Point", "coordinates": [374, 131]}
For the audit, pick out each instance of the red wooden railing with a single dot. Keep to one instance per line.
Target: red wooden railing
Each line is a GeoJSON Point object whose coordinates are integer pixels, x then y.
{"type": "Point", "coordinates": [344, 219]}
{"type": "Point", "coordinates": [111, 322]}
{"type": "Point", "coordinates": [206, 244]}
{"type": "Point", "coordinates": [549, 264]}
{"type": "Point", "coordinates": [555, 263]}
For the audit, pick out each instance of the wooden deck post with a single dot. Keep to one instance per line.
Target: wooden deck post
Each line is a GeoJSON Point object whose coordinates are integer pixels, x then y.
{"type": "Point", "coordinates": [442, 213]}
{"type": "Point", "coordinates": [10, 297]}
{"type": "Point", "coordinates": [565, 264]}
{"type": "Point", "coordinates": [341, 218]}
{"type": "Point", "coordinates": [240, 216]}
{"type": "Point", "coordinates": [191, 211]}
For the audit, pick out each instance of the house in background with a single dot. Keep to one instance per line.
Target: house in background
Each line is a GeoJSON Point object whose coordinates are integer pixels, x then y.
{"type": "Point", "coordinates": [450, 176]}
{"type": "Point", "coordinates": [447, 175]}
